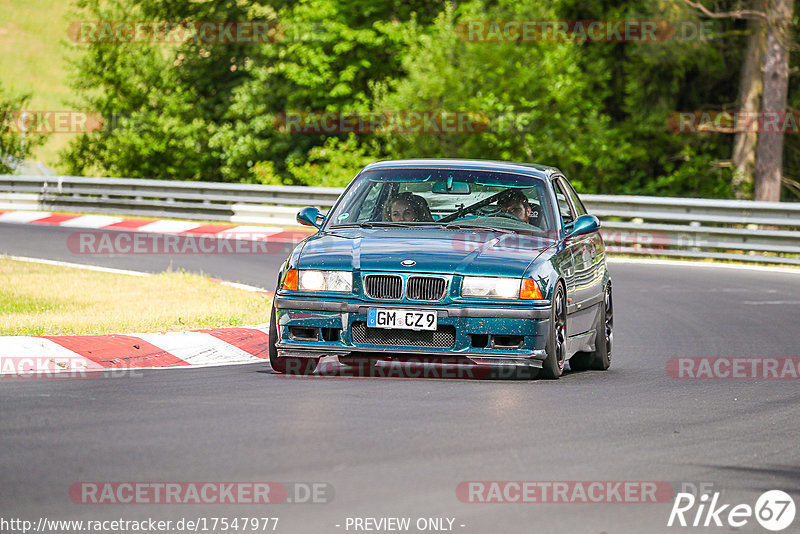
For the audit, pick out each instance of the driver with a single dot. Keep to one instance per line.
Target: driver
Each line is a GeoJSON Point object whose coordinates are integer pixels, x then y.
{"type": "Point", "coordinates": [406, 207]}
{"type": "Point", "coordinates": [514, 202]}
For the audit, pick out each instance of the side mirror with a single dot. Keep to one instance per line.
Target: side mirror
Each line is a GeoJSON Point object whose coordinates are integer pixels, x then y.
{"type": "Point", "coordinates": [585, 224]}
{"type": "Point", "coordinates": [310, 217]}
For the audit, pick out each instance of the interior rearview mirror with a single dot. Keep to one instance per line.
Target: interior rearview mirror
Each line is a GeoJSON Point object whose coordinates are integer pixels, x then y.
{"type": "Point", "coordinates": [450, 188]}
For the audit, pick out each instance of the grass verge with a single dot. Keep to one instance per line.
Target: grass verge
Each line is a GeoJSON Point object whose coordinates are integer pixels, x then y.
{"type": "Point", "coordinates": [38, 299]}
{"type": "Point", "coordinates": [34, 48]}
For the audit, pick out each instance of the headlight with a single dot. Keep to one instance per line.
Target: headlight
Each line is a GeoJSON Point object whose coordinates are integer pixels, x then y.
{"type": "Point", "coordinates": [491, 287]}
{"type": "Point", "coordinates": [340, 281]}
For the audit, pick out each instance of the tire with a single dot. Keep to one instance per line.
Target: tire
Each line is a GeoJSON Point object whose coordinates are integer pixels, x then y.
{"type": "Point", "coordinates": [556, 347]}
{"type": "Point", "coordinates": [600, 359]}
{"type": "Point", "coordinates": [291, 366]}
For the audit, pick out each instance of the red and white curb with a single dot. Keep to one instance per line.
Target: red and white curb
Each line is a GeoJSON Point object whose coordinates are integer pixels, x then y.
{"type": "Point", "coordinates": [65, 355]}
{"type": "Point", "coordinates": [149, 226]}
{"type": "Point", "coordinates": [28, 355]}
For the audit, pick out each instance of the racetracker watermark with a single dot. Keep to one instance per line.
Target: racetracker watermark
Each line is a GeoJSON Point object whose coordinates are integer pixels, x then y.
{"type": "Point", "coordinates": [499, 242]}
{"type": "Point", "coordinates": [75, 121]}
{"type": "Point", "coordinates": [733, 122]}
{"type": "Point", "coordinates": [564, 492]}
{"type": "Point", "coordinates": [121, 242]}
{"type": "Point", "coordinates": [734, 368]}
{"type": "Point", "coordinates": [382, 122]}
{"type": "Point", "coordinates": [137, 492]}
{"type": "Point", "coordinates": [60, 368]}
{"type": "Point", "coordinates": [582, 31]}
{"type": "Point", "coordinates": [641, 242]}
{"type": "Point", "coordinates": [174, 32]}
{"type": "Point", "coordinates": [456, 368]}
{"type": "Point", "coordinates": [34, 121]}
{"type": "Point", "coordinates": [616, 241]}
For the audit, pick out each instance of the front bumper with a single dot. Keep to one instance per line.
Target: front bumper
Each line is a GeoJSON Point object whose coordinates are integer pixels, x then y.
{"type": "Point", "coordinates": [336, 321]}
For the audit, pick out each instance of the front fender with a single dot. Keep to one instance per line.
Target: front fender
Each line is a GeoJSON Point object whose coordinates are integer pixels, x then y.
{"type": "Point", "coordinates": [547, 271]}
{"type": "Point", "coordinates": [291, 263]}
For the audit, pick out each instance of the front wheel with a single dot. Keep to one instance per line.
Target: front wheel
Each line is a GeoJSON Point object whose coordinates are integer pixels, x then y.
{"type": "Point", "coordinates": [600, 358]}
{"type": "Point", "coordinates": [556, 348]}
{"type": "Point", "coordinates": [283, 365]}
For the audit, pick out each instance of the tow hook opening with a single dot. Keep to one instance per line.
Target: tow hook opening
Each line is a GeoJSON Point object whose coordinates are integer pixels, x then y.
{"type": "Point", "coordinates": [303, 333]}
{"type": "Point", "coordinates": [506, 342]}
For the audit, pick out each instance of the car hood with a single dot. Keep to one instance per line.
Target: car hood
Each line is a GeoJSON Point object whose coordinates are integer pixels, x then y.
{"type": "Point", "coordinates": [434, 251]}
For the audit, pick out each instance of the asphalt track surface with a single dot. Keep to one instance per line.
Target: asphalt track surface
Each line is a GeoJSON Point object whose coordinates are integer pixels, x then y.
{"type": "Point", "coordinates": [400, 447]}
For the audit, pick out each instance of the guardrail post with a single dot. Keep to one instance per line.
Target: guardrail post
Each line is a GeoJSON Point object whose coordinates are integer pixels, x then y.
{"type": "Point", "coordinates": [695, 248]}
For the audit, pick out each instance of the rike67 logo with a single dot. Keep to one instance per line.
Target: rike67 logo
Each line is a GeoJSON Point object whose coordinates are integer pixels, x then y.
{"type": "Point", "coordinates": [774, 510]}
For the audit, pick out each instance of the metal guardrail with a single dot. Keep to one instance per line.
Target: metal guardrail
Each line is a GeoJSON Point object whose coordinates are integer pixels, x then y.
{"type": "Point", "coordinates": [688, 227]}
{"type": "Point", "coordinates": [740, 230]}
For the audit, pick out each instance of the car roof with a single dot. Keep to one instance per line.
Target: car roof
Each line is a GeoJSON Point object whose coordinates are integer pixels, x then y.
{"type": "Point", "coordinates": [532, 169]}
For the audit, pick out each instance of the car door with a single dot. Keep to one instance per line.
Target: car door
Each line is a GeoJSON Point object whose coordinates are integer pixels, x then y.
{"type": "Point", "coordinates": [597, 251]}
{"type": "Point", "coordinates": [582, 286]}
{"type": "Point", "coordinates": [567, 215]}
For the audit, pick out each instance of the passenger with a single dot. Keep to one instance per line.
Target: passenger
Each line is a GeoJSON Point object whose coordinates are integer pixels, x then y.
{"type": "Point", "coordinates": [406, 207]}
{"type": "Point", "coordinates": [514, 202]}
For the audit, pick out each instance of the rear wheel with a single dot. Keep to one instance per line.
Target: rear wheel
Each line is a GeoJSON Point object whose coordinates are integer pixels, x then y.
{"type": "Point", "coordinates": [556, 348]}
{"type": "Point", "coordinates": [600, 359]}
{"type": "Point", "coordinates": [283, 365]}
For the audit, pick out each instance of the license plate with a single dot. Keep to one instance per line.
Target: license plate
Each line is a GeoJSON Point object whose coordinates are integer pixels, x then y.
{"type": "Point", "coordinates": [405, 319]}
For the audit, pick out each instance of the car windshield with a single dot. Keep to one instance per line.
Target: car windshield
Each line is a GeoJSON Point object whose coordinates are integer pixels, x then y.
{"type": "Point", "coordinates": [452, 198]}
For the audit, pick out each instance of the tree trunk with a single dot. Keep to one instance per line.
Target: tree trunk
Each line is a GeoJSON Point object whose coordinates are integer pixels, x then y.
{"type": "Point", "coordinates": [751, 83]}
{"type": "Point", "coordinates": [769, 156]}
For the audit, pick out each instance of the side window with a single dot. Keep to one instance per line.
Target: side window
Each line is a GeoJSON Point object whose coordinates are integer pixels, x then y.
{"type": "Point", "coordinates": [564, 209]}
{"type": "Point", "coordinates": [580, 209]}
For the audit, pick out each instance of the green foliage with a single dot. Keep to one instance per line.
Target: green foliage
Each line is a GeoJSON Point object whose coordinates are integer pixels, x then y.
{"type": "Point", "coordinates": [162, 102]}
{"type": "Point", "coordinates": [791, 151]}
{"type": "Point", "coordinates": [335, 163]}
{"type": "Point", "coordinates": [644, 82]}
{"type": "Point", "coordinates": [12, 150]}
{"type": "Point", "coordinates": [597, 110]}
{"type": "Point", "coordinates": [542, 110]}
{"type": "Point", "coordinates": [332, 54]}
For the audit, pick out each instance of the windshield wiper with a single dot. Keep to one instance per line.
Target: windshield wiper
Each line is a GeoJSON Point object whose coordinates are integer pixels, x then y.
{"type": "Point", "coordinates": [463, 226]}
